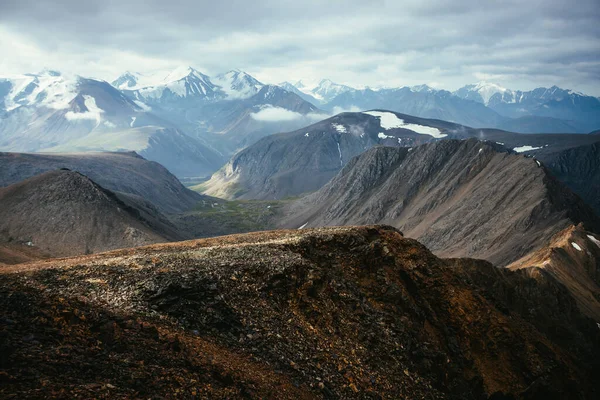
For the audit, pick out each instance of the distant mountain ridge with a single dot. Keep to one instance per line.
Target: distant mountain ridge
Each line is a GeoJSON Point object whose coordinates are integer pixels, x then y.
{"type": "Point", "coordinates": [541, 110]}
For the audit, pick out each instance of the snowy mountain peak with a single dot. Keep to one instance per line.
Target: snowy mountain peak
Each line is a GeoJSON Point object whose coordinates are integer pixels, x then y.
{"type": "Point", "coordinates": [46, 89]}
{"type": "Point", "coordinates": [299, 84]}
{"type": "Point", "coordinates": [238, 84]}
{"type": "Point", "coordinates": [484, 91]}
{"type": "Point", "coordinates": [422, 89]}
{"type": "Point", "coordinates": [126, 81]}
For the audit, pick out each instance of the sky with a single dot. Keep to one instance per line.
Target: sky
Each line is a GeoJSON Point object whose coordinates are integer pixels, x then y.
{"type": "Point", "coordinates": [377, 43]}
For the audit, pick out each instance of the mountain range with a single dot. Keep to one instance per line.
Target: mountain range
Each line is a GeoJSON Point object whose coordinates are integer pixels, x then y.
{"type": "Point", "coordinates": [487, 105]}
{"type": "Point", "coordinates": [193, 123]}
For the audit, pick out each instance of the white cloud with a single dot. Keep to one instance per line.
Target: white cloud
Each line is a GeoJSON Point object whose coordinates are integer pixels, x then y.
{"type": "Point", "coordinates": [338, 110]}
{"type": "Point", "coordinates": [275, 114]}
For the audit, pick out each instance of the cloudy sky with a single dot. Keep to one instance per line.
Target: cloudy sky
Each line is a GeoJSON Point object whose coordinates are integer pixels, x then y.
{"type": "Point", "coordinates": [519, 44]}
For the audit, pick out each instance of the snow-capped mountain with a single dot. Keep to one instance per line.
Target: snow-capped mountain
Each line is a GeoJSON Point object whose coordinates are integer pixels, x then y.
{"type": "Point", "coordinates": [167, 86]}
{"type": "Point", "coordinates": [325, 91]}
{"type": "Point", "coordinates": [55, 113]}
{"type": "Point", "coordinates": [423, 89]}
{"type": "Point", "coordinates": [231, 111]}
{"type": "Point", "coordinates": [237, 84]}
{"type": "Point", "coordinates": [561, 106]}
{"type": "Point", "coordinates": [48, 88]}
{"type": "Point", "coordinates": [482, 92]}
{"type": "Point", "coordinates": [294, 89]}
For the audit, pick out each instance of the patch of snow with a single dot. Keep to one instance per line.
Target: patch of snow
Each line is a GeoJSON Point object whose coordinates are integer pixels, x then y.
{"type": "Point", "coordinates": [576, 246]}
{"type": "Point", "coordinates": [340, 151]}
{"type": "Point", "coordinates": [302, 227]}
{"type": "Point", "coordinates": [389, 120]}
{"type": "Point", "coordinates": [109, 124]}
{"type": "Point", "coordinates": [340, 128]}
{"type": "Point", "coordinates": [382, 135]}
{"type": "Point", "coordinates": [523, 149]}
{"type": "Point", "coordinates": [480, 150]}
{"type": "Point", "coordinates": [306, 134]}
{"type": "Point", "coordinates": [145, 107]}
{"type": "Point", "coordinates": [539, 164]}
{"type": "Point", "coordinates": [132, 121]}
{"type": "Point", "coordinates": [399, 140]}
{"type": "Point", "coordinates": [593, 239]}
{"type": "Point", "coordinates": [93, 112]}
{"type": "Point", "coordinates": [500, 143]}
{"type": "Point", "coordinates": [411, 149]}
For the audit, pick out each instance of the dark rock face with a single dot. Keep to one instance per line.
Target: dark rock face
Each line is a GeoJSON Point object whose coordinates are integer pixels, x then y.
{"type": "Point", "coordinates": [579, 169]}
{"type": "Point", "coordinates": [328, 313]}
{"type": "Point", "coordinates": [64, 213]}
{"type": "Point", "coordinates": [460, 198]}
{"type": "Point", "coordinates": [126, 173]}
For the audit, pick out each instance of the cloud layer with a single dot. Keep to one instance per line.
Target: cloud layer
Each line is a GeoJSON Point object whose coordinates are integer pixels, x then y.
{"type": "Point", "coordinates": [377, 43]}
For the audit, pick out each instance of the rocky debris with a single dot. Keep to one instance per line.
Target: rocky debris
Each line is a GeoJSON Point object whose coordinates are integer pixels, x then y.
{"type": "Point", "coordinates": [348, 312]}
{"type": "Point", "coordinates": [461, 198]}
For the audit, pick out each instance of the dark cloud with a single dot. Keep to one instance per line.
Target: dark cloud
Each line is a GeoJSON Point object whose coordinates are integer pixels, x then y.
{"type": "Point", "coordinates": [518, 44]}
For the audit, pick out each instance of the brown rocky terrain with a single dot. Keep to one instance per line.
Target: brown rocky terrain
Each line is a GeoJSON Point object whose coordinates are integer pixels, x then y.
{"type": "Point", "coordinates": [62, 213]}
{"type": "Point", "coordinates": [337, 313]}
{"type": "Point", "coordinates": [573, 258]}
{"type": "Point", "coordinates": [461, 198]}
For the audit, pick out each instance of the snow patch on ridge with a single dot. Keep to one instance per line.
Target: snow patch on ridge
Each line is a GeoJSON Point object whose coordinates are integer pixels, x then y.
{"type": "Point", "coordinates": [523, 149]}
{"type": "Point", "coordinates": [576, 246]}
{"type": "Point", "coordinates": [94, 112]}
{"type": "Point", "coordinates": [593, 239]}
{"type": "Point", "coordinates": [389, 120]}
{"type": "Point", "coordinates": [340, 128]}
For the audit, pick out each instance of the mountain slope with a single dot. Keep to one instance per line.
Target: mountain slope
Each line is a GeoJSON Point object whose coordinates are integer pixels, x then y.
{"type": "Point", "coordinates": [65, 213]}
{"type": "Point", "coordinates": [461, 198]}
{"type": "Point", "coordinates": [293, 163]}
{"type": "Point", "coordinates": [328, 313]}
{"type": "Point", "coordinates": [301, 161]}
{"type": "Point", "coordinates": [572, 257]}
{"type": "Point", "coordinates": [125, 173]}
{"type": "Point", "coordinates": [579, 169]}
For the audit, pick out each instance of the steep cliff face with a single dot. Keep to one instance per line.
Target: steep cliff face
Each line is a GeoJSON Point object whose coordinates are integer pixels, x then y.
{"type": "Point", "coordinates": [349, 312]}
{"type": "Point", "coordinates": [460, 198]}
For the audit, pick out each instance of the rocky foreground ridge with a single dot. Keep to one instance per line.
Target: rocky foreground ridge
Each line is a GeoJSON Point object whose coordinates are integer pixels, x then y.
{"type": "Point", "coordinates": [337, 313]}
